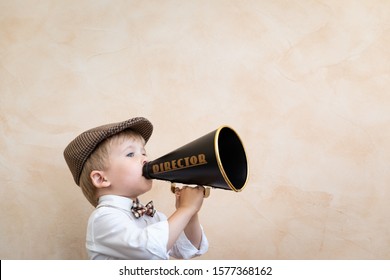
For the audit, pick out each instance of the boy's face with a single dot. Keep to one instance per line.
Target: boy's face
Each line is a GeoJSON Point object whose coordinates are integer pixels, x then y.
{"type": "Point", "coordinates": [124, 171]}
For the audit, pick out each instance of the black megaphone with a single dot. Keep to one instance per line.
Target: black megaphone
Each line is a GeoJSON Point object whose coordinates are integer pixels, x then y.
{"type": "Point", "coordinates": [216, 159]}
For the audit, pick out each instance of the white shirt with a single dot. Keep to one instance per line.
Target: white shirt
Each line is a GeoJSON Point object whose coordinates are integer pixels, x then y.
{"type": "Point", "coordinates": [114, 233]}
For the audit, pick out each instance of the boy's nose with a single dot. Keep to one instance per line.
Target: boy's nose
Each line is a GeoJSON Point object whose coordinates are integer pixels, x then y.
{"type": "Point", "coordinates": [144, 160]}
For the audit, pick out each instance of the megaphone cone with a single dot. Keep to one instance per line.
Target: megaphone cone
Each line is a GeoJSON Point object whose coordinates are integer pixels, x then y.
{"type": "Point", "coordinates": [216, 159]}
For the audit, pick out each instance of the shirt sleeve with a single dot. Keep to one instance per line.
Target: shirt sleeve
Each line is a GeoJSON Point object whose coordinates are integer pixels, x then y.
{"type": "Point", "coordinates": [184, 249]}
{"type": "Point", "coordinates": [113, 235]}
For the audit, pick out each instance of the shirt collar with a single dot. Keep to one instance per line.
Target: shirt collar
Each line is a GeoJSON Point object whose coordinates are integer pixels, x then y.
{"type": "Point", "coordinates": [117, 201]}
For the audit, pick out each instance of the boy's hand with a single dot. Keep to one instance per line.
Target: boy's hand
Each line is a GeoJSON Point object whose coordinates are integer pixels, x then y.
{"type": "Point", "coordinates": [190, 198]}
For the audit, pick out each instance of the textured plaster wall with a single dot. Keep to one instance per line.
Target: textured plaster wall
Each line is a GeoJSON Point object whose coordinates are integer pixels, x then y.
{"type": "Point", "coordinates": [305, 84]}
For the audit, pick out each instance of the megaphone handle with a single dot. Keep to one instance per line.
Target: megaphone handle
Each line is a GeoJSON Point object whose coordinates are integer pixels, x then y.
{"type": "Point", "coordinates": [206, 192]}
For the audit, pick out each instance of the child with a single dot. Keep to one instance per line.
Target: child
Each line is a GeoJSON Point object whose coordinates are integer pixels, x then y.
{"type": "Point", "coordinates": [106, 162]}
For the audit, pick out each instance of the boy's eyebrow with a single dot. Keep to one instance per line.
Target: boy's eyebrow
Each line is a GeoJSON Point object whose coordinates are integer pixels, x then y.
{"type": "Point", "coordinates": [131, 146]}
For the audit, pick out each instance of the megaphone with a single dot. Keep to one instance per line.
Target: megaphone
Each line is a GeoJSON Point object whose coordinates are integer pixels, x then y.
{"type": "Point", "coordinates": [216, 159]}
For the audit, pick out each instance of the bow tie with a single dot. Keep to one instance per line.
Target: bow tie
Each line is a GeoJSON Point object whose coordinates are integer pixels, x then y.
{"type": "Point", "coordinates": [139, 210]}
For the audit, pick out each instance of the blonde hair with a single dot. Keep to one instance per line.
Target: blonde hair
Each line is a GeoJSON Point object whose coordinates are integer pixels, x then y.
{"type": "Point", "coordinates": [99, 160]}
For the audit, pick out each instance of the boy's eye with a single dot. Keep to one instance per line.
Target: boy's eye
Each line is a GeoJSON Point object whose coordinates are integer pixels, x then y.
{"type": "Point", "coordinates": [130, 154]}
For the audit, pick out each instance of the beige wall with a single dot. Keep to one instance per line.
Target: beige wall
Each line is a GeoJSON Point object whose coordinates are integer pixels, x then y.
{"type": "Point", "coordinates": [305, 84]}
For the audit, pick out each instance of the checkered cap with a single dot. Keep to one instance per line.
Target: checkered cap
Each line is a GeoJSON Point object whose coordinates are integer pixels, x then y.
{"type": "Point", "coordinates": [78, 151]}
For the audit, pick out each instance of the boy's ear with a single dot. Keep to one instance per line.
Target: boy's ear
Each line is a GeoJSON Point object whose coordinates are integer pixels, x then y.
{"type": "Point", "coordinates": [99, 180]}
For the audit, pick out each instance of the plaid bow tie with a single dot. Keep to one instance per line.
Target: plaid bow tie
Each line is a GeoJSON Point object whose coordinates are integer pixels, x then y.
{"type": "Point", "coordinates": [139, 210]}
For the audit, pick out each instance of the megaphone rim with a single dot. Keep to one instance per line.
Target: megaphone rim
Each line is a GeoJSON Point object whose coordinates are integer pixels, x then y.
{"type": "Point", "coordinates": [219, 161]}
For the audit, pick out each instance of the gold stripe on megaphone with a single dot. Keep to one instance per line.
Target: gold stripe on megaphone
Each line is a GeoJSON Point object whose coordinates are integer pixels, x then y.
{"type": "Point", "coordinates": [217, 159]}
